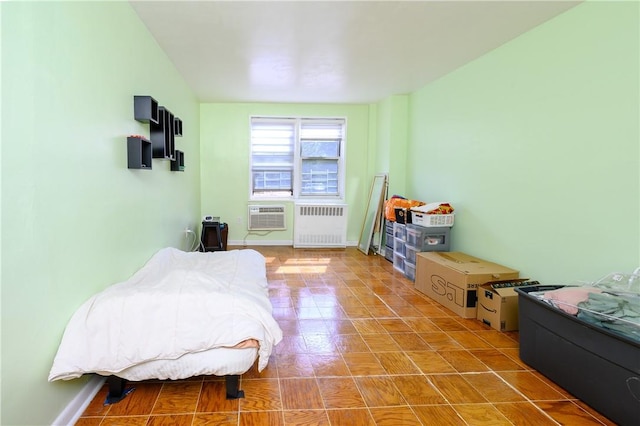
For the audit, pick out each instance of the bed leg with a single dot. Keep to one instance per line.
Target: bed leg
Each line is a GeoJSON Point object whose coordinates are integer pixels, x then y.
{"type": "Point", "coordinates": [117, 390]}
{"type": "Point", "coordinates": [233, 387]}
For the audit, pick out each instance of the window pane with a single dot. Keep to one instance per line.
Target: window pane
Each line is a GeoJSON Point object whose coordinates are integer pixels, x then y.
{"type": "Point", "coordinates": [319, 177]}
{"type": "Point", "coordinates": [320, 149]}
{"type": "Point", "coordinates": [272, 154]}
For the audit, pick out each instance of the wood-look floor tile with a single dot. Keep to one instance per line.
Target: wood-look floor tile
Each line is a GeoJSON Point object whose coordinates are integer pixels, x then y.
{"type": "Point", "coordinates": [440, 341]}
{"type": "Point", "coordinates": [313, 326]}
{"type": "Point", "coordinates": [89, 421]}
{"type": "Point", "coordinates": [492, 387]}
{"type": "Point", "coordinates": [261, 418]}
{"type": "Point", "coordinates": [138, 402]}
{"type": "Point", "coordinates": [394, 416]}
{"type": "Point", "coordinates": [421, 324]}
{"type": "Point", "coordinates": [430, 362]}
{"type": "Point", "coordinates": [525, 414]}
{"type": "Point", "coordinates": [261, 395]}
{"type": "Point", "coordinates": [410, 341]}
{"type": "Point", "coordinates": [270, 371]}
{"type": "Point", "coordinates": [448, 324]}
{"type": "Point", "coordinates": [605, 421]}
{"type": "Point", "coordinates": [464, 361]}
{"type": "Point", "coordinates": [341, 327]}
{"type": "Point", "coordinates": [379, 391]}
{"type": "Point", "coordinates": [291, 345]}
{"type": "Point", "coordinates": [297, 365]}
{"type": "Point", "coordinates": [469, 340]}
{"type": "Point", "coordinates": [565, 393]}
{"type": "Point", "coordinates": [356, 416]}
{"type": "Point", "coordinates": [456, 389]}
{"type": "Point", "coordinates": [394, 325]}
{"type": "Point", "coordinates": [363, 364]}
{"type": "Point", "coordinates": [431, 310]}
{"type": "Point", "coordinates": [495, 360]}
{"type": "Point", "coordinates": [125, 421]}
{"type": "Point", "coordinates": [497, 339]}
{"type": "Point", "coordinates": [96, 407]}
{"type": "Point", "coordinates": [381, 342]}
{"type": "Point", "coordinates": [406, 311]}
{"type": "Point", "coordinates": [177, 397]}
{"type": "Point", "coordinates": [300, 394]}
{"type": "Point", "coordinates": [215, 419]}
{"type": "Point", "coordinates": [347, 343]}
{"type": "Point", "coordinates": [397, 363]}
{"type": "Point", "coordinates": [418, 390]}
{"type": "Point", "coordinates": [329, 365]}
{"type": "Point", "coordinates": [171, 420]}
{"type": "Point", "coordinates": [213, 397]}
{"type": "Point", "coordinates": [340, 393]}
{"type": "Point", "coordinates": [531, 386]}
{"type": "Point", "coordinates": [357, 312]}
{"type": "Point", "coordinates": [381, 312]}
{"type": "Point", "coordinates": [306, 418]}
{"type": "Point", "coordinates": [320, 344]}
{"type": "Point", "coordinates": [368, 326]}
{"type": "Point", "coordinates": [481, 415]}
{"type": "Point", "coordinates": [440, 415]}
{"type": "Point", "coordinates": [567, 413]}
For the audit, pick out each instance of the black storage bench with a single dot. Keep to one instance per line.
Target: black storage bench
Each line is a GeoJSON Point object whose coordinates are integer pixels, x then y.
{"type": "Point", "coordinates": [596, 365]}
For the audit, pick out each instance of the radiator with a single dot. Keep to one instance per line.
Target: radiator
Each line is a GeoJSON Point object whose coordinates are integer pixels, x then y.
{"type": "Point", "coordinates": [320, 225]}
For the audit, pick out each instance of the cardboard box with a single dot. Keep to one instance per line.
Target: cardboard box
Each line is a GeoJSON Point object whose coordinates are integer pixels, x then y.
{"type": "Point", "coordinates": [452, 279]}
{"type": "Point", "coordinates": [498, 303]}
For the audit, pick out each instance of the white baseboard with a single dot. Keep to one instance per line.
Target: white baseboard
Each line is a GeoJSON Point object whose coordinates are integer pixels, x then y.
{"type": "Point", "coordinates": [76, 407]}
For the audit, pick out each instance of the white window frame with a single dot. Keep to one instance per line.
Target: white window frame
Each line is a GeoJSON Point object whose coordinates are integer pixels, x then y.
{"type": "Point", "coordinates": [298, 160]}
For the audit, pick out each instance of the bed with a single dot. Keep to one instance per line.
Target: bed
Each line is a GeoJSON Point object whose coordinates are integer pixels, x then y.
{"type": "Point", "coordinates": [596, 361]}
{"type": "Point", "coordinates": [183, 314]}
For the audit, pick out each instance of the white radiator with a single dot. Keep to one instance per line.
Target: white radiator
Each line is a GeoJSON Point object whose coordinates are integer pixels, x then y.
{"type": "Point", "coordinates": [320, 225]}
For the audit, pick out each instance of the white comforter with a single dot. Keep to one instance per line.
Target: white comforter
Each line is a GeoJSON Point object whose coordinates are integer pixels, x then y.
{"type": "Point", "coordinates": [178, 303]}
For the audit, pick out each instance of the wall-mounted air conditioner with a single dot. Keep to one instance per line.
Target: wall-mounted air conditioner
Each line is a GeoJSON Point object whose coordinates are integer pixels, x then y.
{"type": "Point", "coordinates": [266, 218]}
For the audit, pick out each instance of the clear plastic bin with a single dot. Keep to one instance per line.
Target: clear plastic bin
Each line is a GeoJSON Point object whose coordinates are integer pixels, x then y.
{"type": "Point", "coordinates": [410, 270]}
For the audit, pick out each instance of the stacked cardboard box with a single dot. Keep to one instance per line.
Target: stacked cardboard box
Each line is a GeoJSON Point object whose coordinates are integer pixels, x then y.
{"type": "Point", "coordinates": [453, 278]}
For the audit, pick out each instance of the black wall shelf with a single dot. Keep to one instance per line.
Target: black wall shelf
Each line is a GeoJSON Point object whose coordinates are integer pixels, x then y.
{"type": "Point", "coordinates": [163, 128]}
{"type": "Point", "coordinates": [138, 153]}
{"type": "Point", "coordinates": [145, 109]}
{"type": "Point", "coordinates": [177, 165]}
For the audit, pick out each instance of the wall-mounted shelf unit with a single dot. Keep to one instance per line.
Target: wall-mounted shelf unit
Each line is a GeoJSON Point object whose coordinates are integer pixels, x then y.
{"type": "Point", "coordinates": [145, 109]}
{"type": "Point", "coordinates": [162, 135]}
{"type": "Point", "coordinates": [177, 126]}
{"type": "Point", "coordinates": [163, 128]}
{"type": "Point", "coordinates": [138, 153]}
{"type": "Point", "coordinates": [177, 165]}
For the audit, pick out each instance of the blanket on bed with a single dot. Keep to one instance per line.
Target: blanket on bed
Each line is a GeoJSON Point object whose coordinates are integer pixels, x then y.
{"type": "Point", "coordinates": [177, 303]}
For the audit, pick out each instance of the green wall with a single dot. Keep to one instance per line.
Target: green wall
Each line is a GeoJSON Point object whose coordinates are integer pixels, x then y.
{"type": "Point", "coordinates": [225, 151]}
{"type": "Point", "coordinates": [74, 218]}
{"type": "Point", "coordinates": [536, 145]}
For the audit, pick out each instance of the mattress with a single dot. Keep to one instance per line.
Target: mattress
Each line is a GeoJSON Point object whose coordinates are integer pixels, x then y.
{"type": "Point", "coordinates": [178, 316]}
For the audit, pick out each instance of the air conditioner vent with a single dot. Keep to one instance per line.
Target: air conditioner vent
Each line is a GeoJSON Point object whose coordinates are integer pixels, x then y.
{"type": "Point", "coordinates": [266, 218]}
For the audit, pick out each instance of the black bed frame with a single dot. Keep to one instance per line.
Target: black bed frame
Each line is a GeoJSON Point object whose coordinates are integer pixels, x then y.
{"type": "Point", "coordinates": [117, 388]}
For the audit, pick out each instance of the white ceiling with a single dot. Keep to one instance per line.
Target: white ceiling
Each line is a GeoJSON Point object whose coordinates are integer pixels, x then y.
{"type": "Point", "coordinates": [330, 51]}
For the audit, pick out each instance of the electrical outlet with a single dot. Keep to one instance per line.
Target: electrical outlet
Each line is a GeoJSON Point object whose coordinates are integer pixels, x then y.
{"type": "Point", "coordinates": [239, 220]}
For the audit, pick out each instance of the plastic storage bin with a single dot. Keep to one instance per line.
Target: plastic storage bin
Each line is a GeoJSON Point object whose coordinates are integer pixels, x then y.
{"type": "Point", "coordinates": [410, 270]}
{"type": "Point", "coordinates": [398, 262]}
{"type": "Point", "coordinates": [399, 231]}
{"type": "Point", "coordinates": [428, 239]}
{"type": "Point", "coordinates": [428, 220]}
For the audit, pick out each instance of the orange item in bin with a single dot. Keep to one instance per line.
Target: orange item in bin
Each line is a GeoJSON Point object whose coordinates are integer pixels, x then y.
{"type": "Point", "coordinates": [398, 203]}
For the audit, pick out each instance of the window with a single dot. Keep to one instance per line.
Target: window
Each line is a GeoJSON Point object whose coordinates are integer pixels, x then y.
{"type": "Point", "coordinates": [297, 157]}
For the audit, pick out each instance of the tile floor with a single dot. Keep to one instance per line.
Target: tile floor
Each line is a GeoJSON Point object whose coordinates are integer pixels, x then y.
{"type": "Point", "coordinates": [361, 347]}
